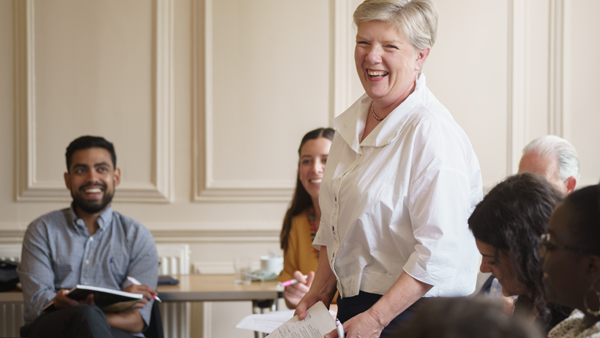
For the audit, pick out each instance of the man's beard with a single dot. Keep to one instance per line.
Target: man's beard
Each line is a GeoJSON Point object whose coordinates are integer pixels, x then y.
{"type": "Point", "coordinates": [92, 207]}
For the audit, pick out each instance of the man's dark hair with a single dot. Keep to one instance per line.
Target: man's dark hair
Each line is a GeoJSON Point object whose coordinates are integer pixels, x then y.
{"type": "Point", "coordinates": [87, 142]}
{"type": "Point", "coordinates": [512, 217]}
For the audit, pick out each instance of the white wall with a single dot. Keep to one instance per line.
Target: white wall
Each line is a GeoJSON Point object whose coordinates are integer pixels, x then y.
{"type": "Point", "coordinates": [206, 102]}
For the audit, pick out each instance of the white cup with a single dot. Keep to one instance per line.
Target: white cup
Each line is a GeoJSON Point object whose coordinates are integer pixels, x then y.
{"type": "Point", "coordinates": [269, 265]}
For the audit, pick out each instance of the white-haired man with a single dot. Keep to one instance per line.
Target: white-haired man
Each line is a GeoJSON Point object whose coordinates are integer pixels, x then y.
{"type": "Point", "coordinates": [556, 160]}
{"type": "Point", "coordinates": [553, 158]}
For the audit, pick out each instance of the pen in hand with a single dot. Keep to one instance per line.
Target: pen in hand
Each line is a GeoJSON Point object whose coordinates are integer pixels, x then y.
{"type": "Point", "coordinates": [137, 282]}
{"type": "Point", "coordinates": [340, 328]}
{"type": "Point", "coordinates": [291, 281]}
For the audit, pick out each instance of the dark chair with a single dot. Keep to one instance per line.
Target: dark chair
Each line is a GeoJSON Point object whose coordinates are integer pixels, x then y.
{"type": "Point", "coordinates": [155, 329]}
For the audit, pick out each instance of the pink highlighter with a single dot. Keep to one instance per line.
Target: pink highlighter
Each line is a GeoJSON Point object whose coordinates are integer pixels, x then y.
{"type": "Point", "coordinates": [291, 281]}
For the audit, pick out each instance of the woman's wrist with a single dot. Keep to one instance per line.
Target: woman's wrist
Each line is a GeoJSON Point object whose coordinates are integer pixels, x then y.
{"type": "Point", "coordinates": [380, 314]}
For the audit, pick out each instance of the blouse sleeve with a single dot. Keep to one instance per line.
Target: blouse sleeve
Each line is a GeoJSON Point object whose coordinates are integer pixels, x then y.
{"type": "Point", "coordinates": [440, 200]}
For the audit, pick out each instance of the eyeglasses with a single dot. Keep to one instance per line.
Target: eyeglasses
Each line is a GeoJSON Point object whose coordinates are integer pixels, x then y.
{"type": "Point", "coordinates": [546, 245]}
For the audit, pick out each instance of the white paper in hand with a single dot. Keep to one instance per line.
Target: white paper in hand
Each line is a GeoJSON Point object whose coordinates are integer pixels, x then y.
{"type": "Point", "coordinates": [317, 323]}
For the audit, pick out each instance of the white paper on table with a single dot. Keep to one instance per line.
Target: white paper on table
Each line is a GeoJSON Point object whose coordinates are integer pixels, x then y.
{"type": "Point", "coordinates": [317, 323]}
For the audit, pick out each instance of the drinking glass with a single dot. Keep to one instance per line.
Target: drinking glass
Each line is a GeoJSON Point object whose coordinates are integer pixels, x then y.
{"type": "Point", "coordinates": [242, 267]}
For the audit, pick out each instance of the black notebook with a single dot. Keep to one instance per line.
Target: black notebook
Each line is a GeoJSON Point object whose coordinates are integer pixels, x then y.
{"type": "Point", "coordinates": [167, 280]}
{"type": "Point", "coordinates": [107, 300]}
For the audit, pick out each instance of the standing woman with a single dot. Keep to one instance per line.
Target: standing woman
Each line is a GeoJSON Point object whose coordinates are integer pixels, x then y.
{"type": "Point", "coordinates": [301, 221]}
{"type": "Point", "coordinates": [571, 254]}
{"type": "Point", "coordinates": [400, 183]}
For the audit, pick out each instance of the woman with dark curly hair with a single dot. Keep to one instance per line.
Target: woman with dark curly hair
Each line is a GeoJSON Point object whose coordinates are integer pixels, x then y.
{"type": "Point", "coordinates": [507, 226]}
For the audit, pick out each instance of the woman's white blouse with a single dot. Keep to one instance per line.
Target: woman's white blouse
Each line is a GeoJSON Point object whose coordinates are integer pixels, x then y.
{"type": "Point", "coordinates": [400, 200]}
{"type": "Point", "coordinates": [572, 327]}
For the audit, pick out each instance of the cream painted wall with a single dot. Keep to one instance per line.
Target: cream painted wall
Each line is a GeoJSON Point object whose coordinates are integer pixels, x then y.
{"type": "Point", "coordinates": [206, 101]}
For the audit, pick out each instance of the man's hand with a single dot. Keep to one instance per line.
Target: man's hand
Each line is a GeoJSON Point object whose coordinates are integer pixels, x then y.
{"type": "Point", "coordinates": [129, 320]}
{"type": "Point", "coordinates": [362, 325]}
{"type": "Point", "coordinates": [61, 300]}
{"type": "Point", "coordinates": [144, 290]}
{"type": "Point", "coordinates": [295, 292]}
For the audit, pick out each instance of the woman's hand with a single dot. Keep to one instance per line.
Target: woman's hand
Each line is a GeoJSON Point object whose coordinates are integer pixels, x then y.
{"type": "Point", "coordinates": [322, 287]}
{"type": "Point", "coordinates": [310, 299]}
{"type": "Point", "coordinates": [362, 325]}
{"type": "Point", "coordinates": [295, 292]}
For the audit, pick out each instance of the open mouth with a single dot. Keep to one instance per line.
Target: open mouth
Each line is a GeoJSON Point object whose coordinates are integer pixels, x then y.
{"type": "Point", "coordinates": [376, 74]}
{"type": "Point", "coordinates": [93, 191]}
{"type": "Point", "coordinates": [318, 181]}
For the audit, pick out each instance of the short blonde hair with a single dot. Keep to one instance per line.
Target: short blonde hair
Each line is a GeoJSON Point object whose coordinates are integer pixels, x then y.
{"type": "Point", "coordinates": [417, 19]}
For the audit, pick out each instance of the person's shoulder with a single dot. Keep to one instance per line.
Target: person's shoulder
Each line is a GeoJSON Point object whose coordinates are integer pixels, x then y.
{"type": "Point", "coordinates": [567, 327]}
{"type": "Point", "coordinates": [130, 225]}
{"type": "Point", "coordinates": [299, 219]}
{"type": "Point", "coordinates": [434, 121]}
{"type": "Point", "coordinates": [432, 112]}
{"type": "Point", "coordinates": [51, 219]}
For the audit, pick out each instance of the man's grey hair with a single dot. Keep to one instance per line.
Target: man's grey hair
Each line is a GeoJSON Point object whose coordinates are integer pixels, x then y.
{"type": "Point", "coordinates": [561, 150]}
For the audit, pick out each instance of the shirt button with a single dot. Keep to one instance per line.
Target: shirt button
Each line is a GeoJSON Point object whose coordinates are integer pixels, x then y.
{"type": "Point", "coordinates": [91, 239]}
{"type": "Point", "coordinates": [87, 262]}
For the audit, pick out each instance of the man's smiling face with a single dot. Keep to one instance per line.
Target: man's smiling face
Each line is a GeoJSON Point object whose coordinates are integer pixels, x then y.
{"type": "Point", "coordinates": [92, 179]}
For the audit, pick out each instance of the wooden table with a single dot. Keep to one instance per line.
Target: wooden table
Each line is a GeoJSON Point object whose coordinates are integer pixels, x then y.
{"type": "Point", "coordinates": [14, 296]}
{"type": "Point", "coordinates": [200, 288]}
{"type": "Point", "coordinates": [209, 288]}
{"type": "Point", "coordinates": [214, 288]}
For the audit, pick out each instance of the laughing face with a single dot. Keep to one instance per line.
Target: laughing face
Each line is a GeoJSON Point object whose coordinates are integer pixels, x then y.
{"type": "Point", "coordinates": [313, 157]}
{"type": "Point", "coordinates": [92, 179]}
{"type": "Point", "coordinates": [387, 64]}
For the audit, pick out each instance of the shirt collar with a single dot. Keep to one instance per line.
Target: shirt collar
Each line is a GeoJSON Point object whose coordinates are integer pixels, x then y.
{"type": "Point", "coordinates": [104, 220]}
{"type": "Point", "coordinates": [351, 123]}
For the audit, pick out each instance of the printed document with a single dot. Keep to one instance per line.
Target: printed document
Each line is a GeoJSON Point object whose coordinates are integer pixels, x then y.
{"type": "Point", "coordinates": [317, 323]}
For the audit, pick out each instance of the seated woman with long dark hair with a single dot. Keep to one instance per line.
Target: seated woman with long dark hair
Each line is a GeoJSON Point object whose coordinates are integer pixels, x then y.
{"type": "Point", "coordinates": [301, 221]}
{"type": "Point", "coordinates": [571, 254]}
{"type": "Point", "coordinates": [507, 226]}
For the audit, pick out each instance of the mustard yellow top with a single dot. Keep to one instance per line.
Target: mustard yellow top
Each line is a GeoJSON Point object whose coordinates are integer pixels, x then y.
{"type": "Point", "coordinates": [300, 254]}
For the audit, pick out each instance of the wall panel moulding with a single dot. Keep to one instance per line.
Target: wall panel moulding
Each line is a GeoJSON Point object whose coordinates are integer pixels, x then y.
{"type": "Point", "coordinates": [206, 188]}
{"type": "Point", "coordinates": [27, 185]}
